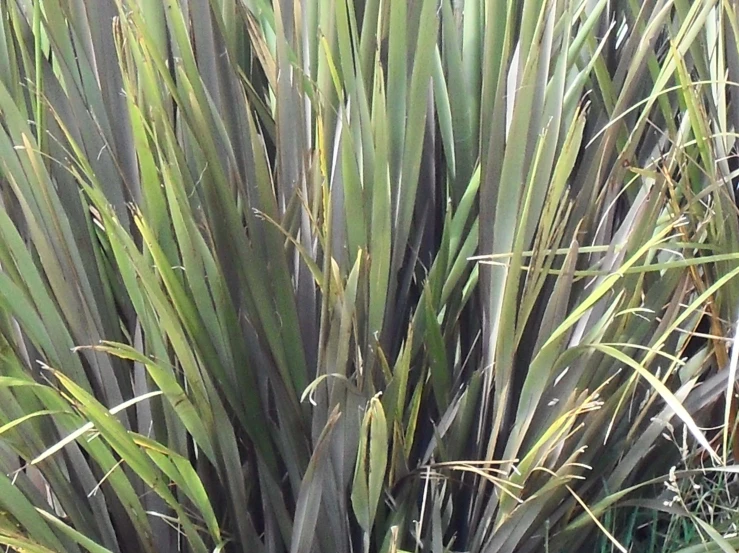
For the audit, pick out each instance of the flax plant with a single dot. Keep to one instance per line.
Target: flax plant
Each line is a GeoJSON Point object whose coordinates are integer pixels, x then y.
{"type": "Point", "coordinates": [372, 276]}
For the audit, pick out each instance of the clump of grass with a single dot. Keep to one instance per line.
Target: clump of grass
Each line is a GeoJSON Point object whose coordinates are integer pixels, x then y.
{"type": "Point", "coordinates": [694, 508]}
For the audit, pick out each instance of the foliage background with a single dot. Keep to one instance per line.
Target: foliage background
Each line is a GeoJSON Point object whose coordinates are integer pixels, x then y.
{"type": "Point", "coordinates": [376, 276]}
